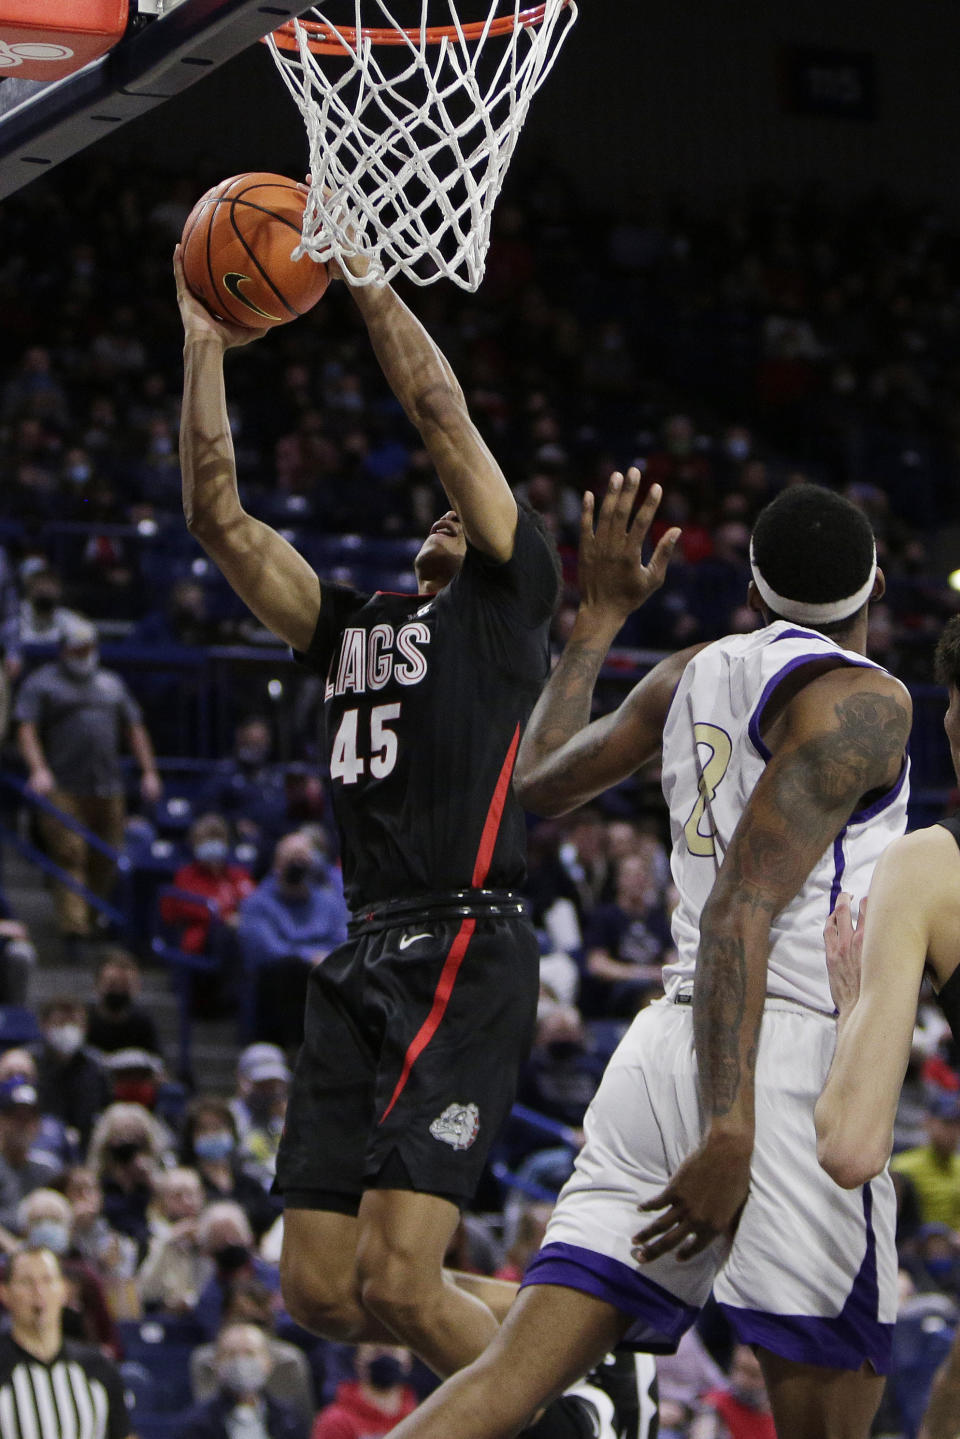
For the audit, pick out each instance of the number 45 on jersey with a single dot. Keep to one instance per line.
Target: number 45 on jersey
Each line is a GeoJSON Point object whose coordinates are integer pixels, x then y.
{"type": "Point", "coordinates": [352, 751]}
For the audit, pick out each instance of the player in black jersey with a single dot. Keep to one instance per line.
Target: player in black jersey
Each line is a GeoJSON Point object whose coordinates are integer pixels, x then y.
{"type": "Point", "coordinates": [416, 1026]}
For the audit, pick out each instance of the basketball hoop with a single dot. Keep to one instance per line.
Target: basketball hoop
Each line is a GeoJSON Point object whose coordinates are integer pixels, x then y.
{"type": "Point", "coordinates": [412, 129]}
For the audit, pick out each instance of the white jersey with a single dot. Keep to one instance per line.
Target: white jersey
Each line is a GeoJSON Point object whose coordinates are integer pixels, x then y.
{"type": "Point", "coordinates": [713, 756]}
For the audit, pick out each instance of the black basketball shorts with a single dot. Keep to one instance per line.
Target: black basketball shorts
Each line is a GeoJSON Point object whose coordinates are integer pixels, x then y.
{"type": "Point", "coordinates": [413, 1039]}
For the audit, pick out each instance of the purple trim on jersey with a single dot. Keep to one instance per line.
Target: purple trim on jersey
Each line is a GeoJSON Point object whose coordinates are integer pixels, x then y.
{"type": "Point", "coordinates": [660, 1318]}
{"type": "Point", "coordinates": [845, 1342]}
{"type": "Point", "coordinates": [753, 728]}
{"type": "Point", "coordinates": [860, 816]}
{"type": "Point", "coordinates": [839, 864]}
{"type": "Point", "coordinates": [803, 635]}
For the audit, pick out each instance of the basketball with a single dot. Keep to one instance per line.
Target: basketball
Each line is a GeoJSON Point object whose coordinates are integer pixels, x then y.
{"type": "Point", "coordinates": [236, 248]}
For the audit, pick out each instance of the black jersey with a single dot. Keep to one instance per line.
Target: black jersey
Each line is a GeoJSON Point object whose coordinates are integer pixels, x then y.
{"type": "Point", "coordinates": [949, 996]}
{"type": "Point", "coordinates": [426, 697]}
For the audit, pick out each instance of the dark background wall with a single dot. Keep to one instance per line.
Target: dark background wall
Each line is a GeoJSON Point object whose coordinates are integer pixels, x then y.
{"type": "Point", "coordinates": [689, 95]}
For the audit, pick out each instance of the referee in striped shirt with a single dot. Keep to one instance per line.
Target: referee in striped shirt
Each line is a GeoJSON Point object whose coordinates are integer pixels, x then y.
{"type": "Point", "coordinates": [51, 1388]}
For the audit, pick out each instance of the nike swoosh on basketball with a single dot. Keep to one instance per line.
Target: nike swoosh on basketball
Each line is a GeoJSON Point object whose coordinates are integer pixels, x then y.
{"type": "Point", "coordinates": [407, 939]}
{"type": "Point", "coordinates": [232, 282]}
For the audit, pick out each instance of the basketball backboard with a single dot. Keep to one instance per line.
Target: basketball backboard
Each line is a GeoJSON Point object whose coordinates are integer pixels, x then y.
{"type": "Point", "coordinates": [50, 122]}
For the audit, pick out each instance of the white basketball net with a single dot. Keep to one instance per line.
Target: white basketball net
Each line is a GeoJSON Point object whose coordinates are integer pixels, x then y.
{"type": "Point", "coordinates": [410, 142]}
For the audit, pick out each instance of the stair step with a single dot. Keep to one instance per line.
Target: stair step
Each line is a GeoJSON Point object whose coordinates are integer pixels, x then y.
{"type": "Point", "coordinates": [214, 1045]}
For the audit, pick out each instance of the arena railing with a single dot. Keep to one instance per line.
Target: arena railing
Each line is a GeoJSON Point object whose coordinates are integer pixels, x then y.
{"type": "Point", "coordinates": [10, 833]}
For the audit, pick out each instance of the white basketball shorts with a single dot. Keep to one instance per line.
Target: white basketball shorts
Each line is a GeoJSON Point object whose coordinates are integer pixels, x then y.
{"type": "Point", "coordinates": [811, 1273]}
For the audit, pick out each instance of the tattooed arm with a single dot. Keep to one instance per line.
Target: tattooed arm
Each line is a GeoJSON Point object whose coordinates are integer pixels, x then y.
{"type": "Point", "coordinates": [565, 760]}
{"type": "Point", "coordinates": [841, 737]}
{"type": "Point", "coordinates": [267, 573]}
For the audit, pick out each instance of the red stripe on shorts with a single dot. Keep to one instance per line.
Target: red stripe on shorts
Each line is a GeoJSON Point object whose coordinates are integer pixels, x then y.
{"type": "Point", "coordinates": [441, 998]}
{"type": "Point", "coordinates": [451, 965]}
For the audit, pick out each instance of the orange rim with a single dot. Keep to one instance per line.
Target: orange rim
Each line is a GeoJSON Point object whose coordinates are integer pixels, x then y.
{"type": "Point", "coordinates": [328, 39]}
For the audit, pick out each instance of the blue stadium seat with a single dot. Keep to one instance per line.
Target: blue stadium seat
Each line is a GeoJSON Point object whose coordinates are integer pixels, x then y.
{"type": "Point", "coordinates": [18, 1026]}
{"type": "Point", "coordinates": [162, 1345]}
{"type": "Point", "coordinates": [139, 1387]}
{"type": "Point", "coordinates": [921, 1341]}
{"type": "Point", "coordinates": [156, 1426]}
{"type": "Point", "coordinates": [173, 814]}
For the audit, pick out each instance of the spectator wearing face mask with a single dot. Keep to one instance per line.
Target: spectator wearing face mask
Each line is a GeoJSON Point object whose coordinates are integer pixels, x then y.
{"type": "Point", "coordinates": [290, 922]}
{"type": "Point", "coordinates": [211, 875]}
{"type": "Point", "coordinates": [209, 928]}
{"type": "Point", "coordinates": [225, 1236]}
{"type": "Point", "coordinates": [115, 1020]}
{"type": "Point", "coordinates": [290, 1381]}
{"type": "Point", "coordinates": [125, 1149]}
{"type": "Point", "coordinates": [249, 788]}
{"type": "Point", "coordinates": [242, 1407]}
{"type": "Point", "coordinates": [45, 1220]}
{"type": "Point", "coordinates": [933, 1261]}
{"type": "Point", "coordinates": [38, 622]}
{"type": "Point", "coordinates": [375, 1401]}
{"type": "Point", "coordinates": [740, 1409]}
{"type": "Point", "coordinates": [73, 717]}
{"type": "Point", "coordinates": [135, 1075]}
{"type": "Point", "coordinates": [71, 1081]}
{"type": "Point", "coordinates": [210, 1145]}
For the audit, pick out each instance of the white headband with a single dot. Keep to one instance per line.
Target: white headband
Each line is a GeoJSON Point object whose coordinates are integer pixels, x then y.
{"type": "Point", "coordinates": [808, 614]}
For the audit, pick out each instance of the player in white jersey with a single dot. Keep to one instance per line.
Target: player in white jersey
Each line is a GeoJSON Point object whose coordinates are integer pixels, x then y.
{"type": "Point", "coordinates": [782, 751]}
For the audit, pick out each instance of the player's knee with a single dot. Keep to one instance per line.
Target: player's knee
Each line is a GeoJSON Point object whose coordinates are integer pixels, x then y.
{"type": "Point", "coordinates": [398, 1290]}
{"type": "Point", "coordinates": [316, 1303]}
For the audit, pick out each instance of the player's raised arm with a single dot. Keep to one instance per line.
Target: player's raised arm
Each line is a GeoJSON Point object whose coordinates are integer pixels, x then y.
{"type": "Point", "coordinates": [913, 914]}
{"type": "Point", "coordinates": [273, 581]}
{"type": "Point", "coordinates": [564, 759]}
{"type": "Point", "coordinates": [422, 380]}
{"type": "Point", "coordinates": [841, 737]}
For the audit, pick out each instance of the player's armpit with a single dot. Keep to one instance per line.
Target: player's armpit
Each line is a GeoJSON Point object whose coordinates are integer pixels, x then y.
{"type": "Point", "coordinates": [272, 579]}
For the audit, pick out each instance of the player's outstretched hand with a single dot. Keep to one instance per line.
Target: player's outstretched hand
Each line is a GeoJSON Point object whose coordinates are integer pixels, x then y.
{"type": "Point", "coordinates": [612, 573]}
{"type": "Point", "coordinates": [198, 321]}
{"type": "Point", "coordinates": [702, 1202]}
{"type": "Point", "coordinates": [843, 941]}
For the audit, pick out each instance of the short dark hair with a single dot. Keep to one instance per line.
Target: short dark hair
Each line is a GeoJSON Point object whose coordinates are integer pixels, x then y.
{"type": "Point", "coordinates": [946, 657]}
{"type": "Point", "coordinates": [812, 545]}
{"type": "Point", "coordinates": [119, 959]}
{"type": "Point", "coordinates": [60, 1001]}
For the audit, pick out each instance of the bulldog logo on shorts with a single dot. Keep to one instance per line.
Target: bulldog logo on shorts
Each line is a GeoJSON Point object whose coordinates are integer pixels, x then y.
{"type": "Point", "coordinates": [458, 1125]}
